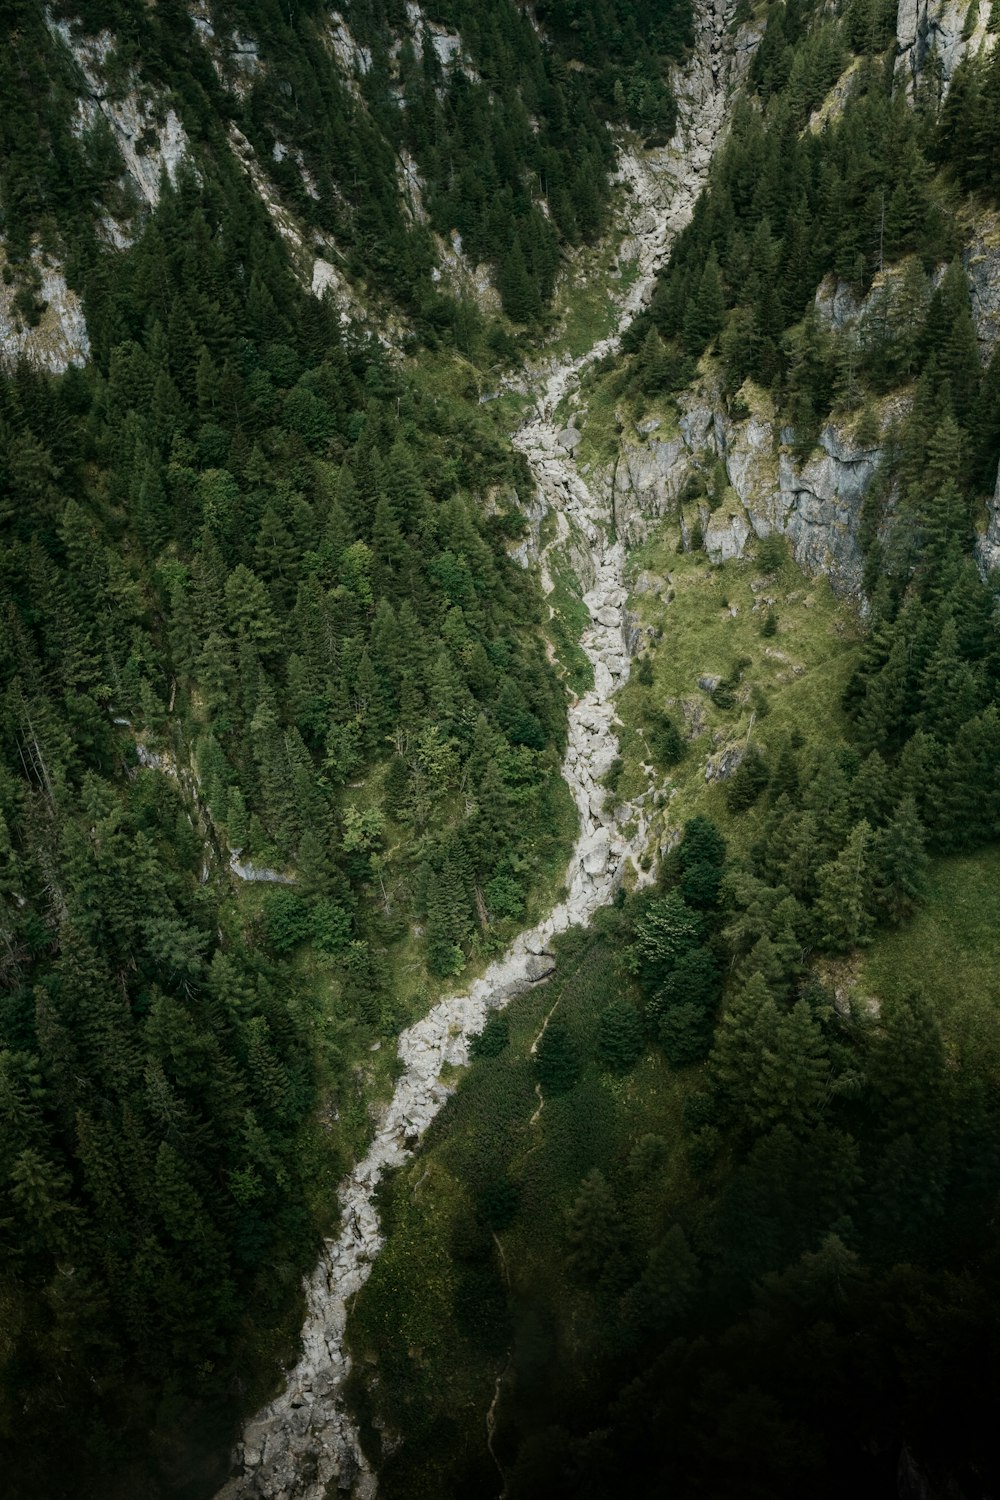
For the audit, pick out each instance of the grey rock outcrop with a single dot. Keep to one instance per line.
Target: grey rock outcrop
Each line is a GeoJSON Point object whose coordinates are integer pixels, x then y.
{"type": "Point", "coordinates": [59, 339]}
{"type": "Point", "coordinates": [929, 30]}
{"type": "Point", "coordinates": [245, 869]}
{"type": "Point", "coordinates": [150, 138]}
{"type": "Point", "coordinates": [818, 507]}
{"type": "Point", "coordinates": [815, 503]}
{"type": "Point", "coordinates": [866, 317]}
{"type": "Point", "coordinates": [981, 259]}
{"type": "Point", "coordinates": [988, 541]}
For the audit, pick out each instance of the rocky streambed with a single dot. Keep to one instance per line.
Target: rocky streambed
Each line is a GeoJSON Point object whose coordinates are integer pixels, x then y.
{"type": "Point", "coordinates": [305, 1444]}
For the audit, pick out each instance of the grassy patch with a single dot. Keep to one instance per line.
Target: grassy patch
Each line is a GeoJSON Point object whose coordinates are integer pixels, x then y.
{"type": "Point", "coordinates": [707, 618]}
{"type": "Point", "coordinates": [587, 301]}
{"type": "Point", "coordinates": [949, 952]}
{"type": "Point", "coordinates": [599, 443]}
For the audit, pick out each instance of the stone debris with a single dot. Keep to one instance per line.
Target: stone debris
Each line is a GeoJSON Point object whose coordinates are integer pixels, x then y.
{"type": "Point", "coordinates": [304, 1445]}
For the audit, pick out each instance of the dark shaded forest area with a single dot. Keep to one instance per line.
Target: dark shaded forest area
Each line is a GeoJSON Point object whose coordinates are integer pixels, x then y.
{"type": "Point", "coordinates": [248, 548]}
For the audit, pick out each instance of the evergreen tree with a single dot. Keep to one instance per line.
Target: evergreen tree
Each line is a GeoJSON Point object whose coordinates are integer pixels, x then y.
{"type": "Point", "coordinates": [593, 1229]}
{"type": "Point", "coordinates": [845, 893]}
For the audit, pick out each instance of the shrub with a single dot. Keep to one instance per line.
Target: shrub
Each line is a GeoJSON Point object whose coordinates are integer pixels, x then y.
{"type": "Point", "coordinates": [613, 775]}
{"type": "Point", "coordinates": [665, 739]}
{"type": "Point", "coordinates": [331, 926]}
{"type": "Point", "coordinates": [494, 1037]}
{"type": "Point", "coordinates": [504, 897]}
{"type": "Point", "coordinates": [619, 1036]}
{"type": "Point", "coordinates": [287, 919]}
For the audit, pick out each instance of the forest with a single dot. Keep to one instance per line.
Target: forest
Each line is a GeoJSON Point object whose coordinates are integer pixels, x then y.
{"type": "Point", "coordinates": [251, 562]}
{"type": "Point", "coordinates": [281, 727]}
{"type": "Point", "coordinates": [746, 1244]}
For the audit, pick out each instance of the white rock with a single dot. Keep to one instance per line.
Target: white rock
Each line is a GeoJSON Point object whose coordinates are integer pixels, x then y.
{"type": "Point", "coordinates": [595, 851]}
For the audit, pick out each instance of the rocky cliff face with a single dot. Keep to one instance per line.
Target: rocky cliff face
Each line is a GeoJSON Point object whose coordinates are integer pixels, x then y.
{"type": "Point", "coordinates": [816, 503]}
{"type": "Point", "coordinates": [146, 130]}
{"type": "Point", "coordinates": [59, 337]}
{"type": "Point", "coordinates": [938, 34]}
{"type": "Point", "coordinates": [988, 543]}
{"type": "Point", "coordinates": [151, 142]}
{"type": "Point", "coordinates": [981, 259]}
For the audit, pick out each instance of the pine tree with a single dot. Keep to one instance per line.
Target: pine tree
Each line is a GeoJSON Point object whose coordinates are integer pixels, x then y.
{"type": "Point", "coordinates": [899, 863]}
{"type": "Point", "coordinates": [706, 310]}
{"type": "Point", "coordinates": [619, 1036]}
{"type": "Point", "coordinates": [871, 794]}
{"type": "Point", "coordinates": [594, 1230]}
{"type": "Point", "coordinates": [444, 956]}
{"type": "Point", "coordinates": [668, 1284]}
{"type": "Point", "coordinates": [949, 690]}
{"type": "Point", "coordinates": [521, 301]}
{"type": "Point", "coordinates": [845, 893]}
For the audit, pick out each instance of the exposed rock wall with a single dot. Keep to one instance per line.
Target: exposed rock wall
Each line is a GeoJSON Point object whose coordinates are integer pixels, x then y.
{"type": "Point", "coordinates": [815, 503]}
{"type": "Point", "coordinates": [988, 543]}
{"type": "Point", "coordinates": [934, 33]}
{"type": "Point", "coordinates": [235, 58]}
{"type": "Point", "coordinates": [981, 259]}
{"type": "Point", "coordinates": [148, 133]}
{"type": "Point", "coordinates": [59, 338]}
{"type": "Point", "coordinates": [318, 273]}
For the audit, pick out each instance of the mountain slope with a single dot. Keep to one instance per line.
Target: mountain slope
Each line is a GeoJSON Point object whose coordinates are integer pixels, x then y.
{"type": "Point", "coordinates": [715, 1212]}
{"type": "Point", "coordinates": [280, 738]}
{"type": "Point", "coordinates": [287, 732]}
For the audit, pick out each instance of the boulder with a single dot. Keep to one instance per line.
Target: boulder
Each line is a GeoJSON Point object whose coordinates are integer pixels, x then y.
{"type": "Point", "coordinates": [539, 966]}
{"type": "Point", "coordinates": [595, 851]}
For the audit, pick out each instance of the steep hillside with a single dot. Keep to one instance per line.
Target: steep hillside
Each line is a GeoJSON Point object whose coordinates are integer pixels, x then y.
{"type": "Point", "coordinates": [713, 1213]}
{"type": "Point", "coordinates": [432, 165]}
{"type": "Point", "coordinates": [497, 505]}
{"type": "Point", "coordinates": [281, 739]}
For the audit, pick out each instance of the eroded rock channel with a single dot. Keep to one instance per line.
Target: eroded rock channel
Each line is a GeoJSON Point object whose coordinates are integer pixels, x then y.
{"type": "Point", "coordinates": [305, 1445]}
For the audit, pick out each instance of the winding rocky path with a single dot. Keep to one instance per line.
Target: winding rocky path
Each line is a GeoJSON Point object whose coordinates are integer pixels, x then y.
{"type": "Point", "coordinates": [304, 1444]}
